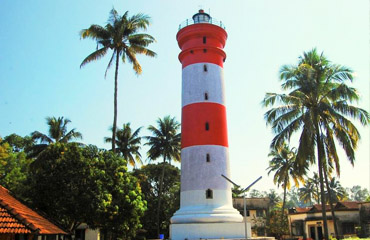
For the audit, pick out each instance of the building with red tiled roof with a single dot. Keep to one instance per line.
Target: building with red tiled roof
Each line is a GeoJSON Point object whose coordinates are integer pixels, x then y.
{"type": "Point", "coordinates": [308, 222]}
{"type": "Point", "coordinates": [19, 222]}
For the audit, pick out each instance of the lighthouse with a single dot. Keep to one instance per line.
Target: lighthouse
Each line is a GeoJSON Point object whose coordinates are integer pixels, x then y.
{"type": "Point", "coordinates": [206, 209]}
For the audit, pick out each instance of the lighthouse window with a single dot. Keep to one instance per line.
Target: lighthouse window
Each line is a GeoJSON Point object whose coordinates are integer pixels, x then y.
{"type": "Point", "coordinates": [205, 96]}
{"type": "Point", "coordinates": [207, 126]}
{"type": "Point", "coordinates": [204, 50]}
{"type": "Point", "coordinates": [205, 67]}
{"type": "Point", "coordinates": [209, 194]}
{"type": "Point", "coordinates": [208, 157]}
{"type": "Point", "coordinates": [204, 39]}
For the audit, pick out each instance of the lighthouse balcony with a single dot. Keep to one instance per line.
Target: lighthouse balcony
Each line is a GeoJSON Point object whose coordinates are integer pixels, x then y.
{"type": "Point", "coordinates": [205, 20]}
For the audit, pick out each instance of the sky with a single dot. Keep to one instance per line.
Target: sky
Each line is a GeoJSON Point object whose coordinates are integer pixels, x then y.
{"type": "Point", "coordinates": [41, 52]}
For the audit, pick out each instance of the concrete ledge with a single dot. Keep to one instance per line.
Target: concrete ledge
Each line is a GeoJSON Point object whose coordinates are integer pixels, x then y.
{"type": "Point", "coordinates": [196, 231]}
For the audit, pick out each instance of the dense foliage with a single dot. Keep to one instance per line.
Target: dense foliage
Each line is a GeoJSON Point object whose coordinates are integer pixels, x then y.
{"type": "Point", "coordinates": [86, 185]}
{"type": "Point", "coordinates": [149, 178]}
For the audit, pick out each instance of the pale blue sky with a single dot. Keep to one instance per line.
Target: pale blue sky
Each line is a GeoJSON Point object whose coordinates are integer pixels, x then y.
{"type": "Point", "coordinates": [40, 54]}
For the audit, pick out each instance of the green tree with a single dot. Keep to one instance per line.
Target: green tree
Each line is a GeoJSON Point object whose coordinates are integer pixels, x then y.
{"type": "Point", "coordinates": [149, 178]}
{"type": "Point", "coordinates": [319, 107]}
{"type": "Point", "coordinates": [121, 35]}
{"type": "Point", "coordinates": [276, 225]}
{"type": "Point", "coordinates": [165, 142]}
{"type": "Point", "coordinates": [358, 193]}
{"type": "Point", "coordinates": [274, 198]}
{"type": "Point", "coordinates": [128, 144]}
{"type": "Point", "coordinates": [236, 191]}
{"type": "Point", "coordinates": [283, 163]}
{"type": "Point", "coordinates": [57, 133]}
{"type": "Point", "coordinates": [18, 143]}
{"type": "Point", "coordinates": [254, 193]}
{"type": "Point", "coordinates": [293, 199]}
{"type": "Point", "coordinates": [89, 185]}
{"type": "Point", "coordinates": [4, 149]}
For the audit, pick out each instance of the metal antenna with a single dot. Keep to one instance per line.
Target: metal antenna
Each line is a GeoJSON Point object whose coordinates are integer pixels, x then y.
{"type": "Point", "coordinates": [228, 179]}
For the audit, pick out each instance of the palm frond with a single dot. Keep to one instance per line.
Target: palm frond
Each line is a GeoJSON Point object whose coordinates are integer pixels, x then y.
{"type": "Point", "coordinates": [98, 54]}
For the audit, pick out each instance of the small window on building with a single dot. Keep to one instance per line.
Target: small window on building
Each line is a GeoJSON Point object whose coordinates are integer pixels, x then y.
{"type": "Point", "coordinates": [297, 228]}
{"type": "Point", "coordinates": [205, 96]}
{"type": "Point", "coordinates": [208, 157]}
{"type": "Point", "coordinates": [204, 39]}
{"type": "Point", "coordinates": [207, 126]}
{"type": "Point", "coordinates": [209, 194]}
{"type": "Point", "coordinates": [204, 50]}
{"type": "Point", "coordinates": [259, 213]}
{"type": "Point", "coordinates": [191, 51]}
{"type": "Point", "coordinates": [205, 68]}
{"type": "Point", "coordinates": [248, 213]}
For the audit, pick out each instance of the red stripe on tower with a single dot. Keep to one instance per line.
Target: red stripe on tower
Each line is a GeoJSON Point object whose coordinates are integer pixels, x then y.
{"type": "Point", "coordinates": [204, 124]}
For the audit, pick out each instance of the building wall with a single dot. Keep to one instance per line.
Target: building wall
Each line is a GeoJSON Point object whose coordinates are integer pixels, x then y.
{"type": "Point", "coordinates": [92, 234]}
{"type": "Point", "coordinates": [343, 216]}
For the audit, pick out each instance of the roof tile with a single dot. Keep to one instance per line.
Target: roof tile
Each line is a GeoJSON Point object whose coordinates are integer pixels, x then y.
{"type": "Point", "coordinates": [16, 217]}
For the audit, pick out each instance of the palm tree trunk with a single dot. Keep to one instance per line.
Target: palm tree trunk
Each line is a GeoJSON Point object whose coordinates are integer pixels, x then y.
{"type": "Point", "coordinates": [320, 165]}
{"type": "Point", "coordinates": [160, 195]}
{"type": "Point", "coordinates": [331, 204]}
{"type": "Point", "coordinates": [115, 105]}
{"type": "Point", "coordinates": [284, 197]}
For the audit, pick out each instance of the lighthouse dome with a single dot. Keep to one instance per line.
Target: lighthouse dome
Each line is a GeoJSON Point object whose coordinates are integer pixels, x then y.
{"type": "Point", "coordinates": [201, 17]}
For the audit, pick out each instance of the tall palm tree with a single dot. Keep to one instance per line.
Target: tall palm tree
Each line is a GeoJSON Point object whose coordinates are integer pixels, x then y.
{"type": "Point", "coordinates": [283, 163]}
{"type": "Point", "coordinates": [122, 37]}
{"type": "Point", "coordinates": [128, 144]}
{"type": "Point", "coordinates": [319, 107]}
{"type": "Point", "coordinates": [165, 142]}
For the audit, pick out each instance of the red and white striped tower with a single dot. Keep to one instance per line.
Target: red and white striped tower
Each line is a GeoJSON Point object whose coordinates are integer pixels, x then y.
{"type": "Point", "coordinates": [205, 194]}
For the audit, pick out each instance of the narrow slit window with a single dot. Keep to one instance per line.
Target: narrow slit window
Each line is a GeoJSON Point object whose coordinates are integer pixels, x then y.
{"type": "Point", "coordinates": [204, 50]}
{"type": "Point", "coordinates": [205, 68]}
{"type": "Point", "coordinates": [204, 40]}
{"type": "Point", "coordinates": [209, 194]}
{"type": "Point", "coordinates": [205, 96]}
{"type": "Point", "coordinates": [208, 157]}
{"type": "Point", "coordinates": [207, 126]}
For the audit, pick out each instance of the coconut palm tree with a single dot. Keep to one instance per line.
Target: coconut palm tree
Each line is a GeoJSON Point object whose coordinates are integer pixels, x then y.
{"type": "Point", "coordinates": [307, 193]}
{"type": "Point", "coordinates": [121, 36]}
{"type": "Point", "coordinates": [283, 163]}
{"type": "Point", "coordinates": [128, 144]}
{"type": "Point", "coordinates": [164, 143]}
{"type": "Point", "coordinates": [310, 193]}
{"type": "Point", "coordinates": [319, 107]}
{"type": "Point", "coordinates": [57, 133]}
{"type": "Point", "coordinates": [337, 192]}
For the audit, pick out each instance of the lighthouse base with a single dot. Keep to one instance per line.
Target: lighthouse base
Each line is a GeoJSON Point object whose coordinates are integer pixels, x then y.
{"type": "Point", "coordinates": [189, 231]}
